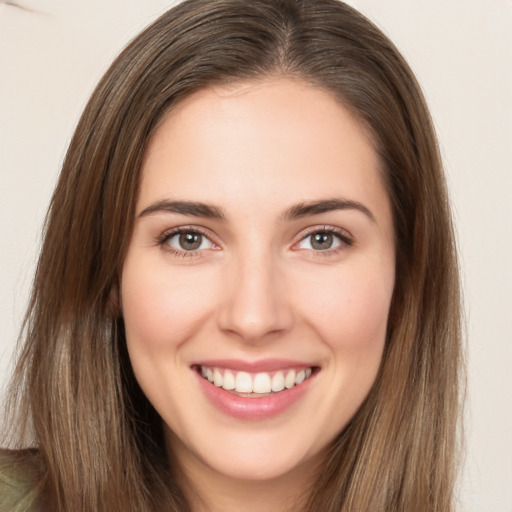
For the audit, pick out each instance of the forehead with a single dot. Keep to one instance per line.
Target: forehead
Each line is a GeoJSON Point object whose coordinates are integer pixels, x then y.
{"type": "Point", "coordinates": [261, 141]}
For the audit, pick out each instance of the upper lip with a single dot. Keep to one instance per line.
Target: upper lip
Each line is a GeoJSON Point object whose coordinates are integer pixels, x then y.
{"type": "Point", "coordinates": [262, 365]}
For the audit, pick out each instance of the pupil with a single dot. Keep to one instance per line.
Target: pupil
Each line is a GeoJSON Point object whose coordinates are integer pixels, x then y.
{"type": "Point", "coordinates": [321, 241]}
{"type": "Point", "coordinates": [190, 241]}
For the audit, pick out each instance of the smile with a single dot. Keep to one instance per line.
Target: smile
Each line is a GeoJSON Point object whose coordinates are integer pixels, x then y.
{"type": "Point", "coordinates": [257, 390]}
{"type": "Point", "coordinates": [260, 383]}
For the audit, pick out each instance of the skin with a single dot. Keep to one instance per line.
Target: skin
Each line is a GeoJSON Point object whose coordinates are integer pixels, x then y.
{"type": "Point", "coordinates": [257, 288]}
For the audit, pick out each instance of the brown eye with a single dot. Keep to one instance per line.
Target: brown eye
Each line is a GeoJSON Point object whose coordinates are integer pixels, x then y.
{"type": "Point", "coordinates": [321, 241]}
{"type": "Point", "coordinates": [190, 241]}
{"type": "Point", "coordinates": [324, 240]}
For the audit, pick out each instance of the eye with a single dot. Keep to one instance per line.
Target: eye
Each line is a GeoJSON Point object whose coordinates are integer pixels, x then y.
{"type": "Point", "coordinates": [326, 239]}
{"type": "Point", "coordinates": [183, 241]}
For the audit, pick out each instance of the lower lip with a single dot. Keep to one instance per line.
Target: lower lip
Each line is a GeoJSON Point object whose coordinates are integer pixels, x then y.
{"type": "Point", "coordinates": [257, 408]}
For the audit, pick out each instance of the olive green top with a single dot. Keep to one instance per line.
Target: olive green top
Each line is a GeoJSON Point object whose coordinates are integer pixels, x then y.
{"type": "Point", "coordinates": [18, 480]}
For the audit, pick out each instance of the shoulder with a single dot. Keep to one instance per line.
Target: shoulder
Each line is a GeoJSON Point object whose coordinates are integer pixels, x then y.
{"type": "Point", "coordinates": [20, 472]}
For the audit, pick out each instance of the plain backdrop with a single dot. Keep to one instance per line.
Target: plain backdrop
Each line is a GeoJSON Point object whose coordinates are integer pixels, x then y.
{"type": "Point", "coordinates": [52, 52]}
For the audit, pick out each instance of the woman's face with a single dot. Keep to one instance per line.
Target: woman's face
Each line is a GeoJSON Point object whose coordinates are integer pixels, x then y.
{"type": "Point", "coordinates": [262, 258]}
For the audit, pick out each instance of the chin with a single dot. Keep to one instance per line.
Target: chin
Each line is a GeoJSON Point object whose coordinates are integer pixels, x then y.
{"type": "Point", "coordinates": [257, 457]}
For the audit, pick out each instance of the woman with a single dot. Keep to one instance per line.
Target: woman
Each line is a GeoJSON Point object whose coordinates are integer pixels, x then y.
{"type": "Point", "coordinates": [247, 297]}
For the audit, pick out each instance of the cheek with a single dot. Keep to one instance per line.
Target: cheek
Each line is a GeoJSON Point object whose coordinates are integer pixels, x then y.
{"type": "Point", "coordinates": [350, 311]}
{"type": "Point", "coordinates": [161, 308]}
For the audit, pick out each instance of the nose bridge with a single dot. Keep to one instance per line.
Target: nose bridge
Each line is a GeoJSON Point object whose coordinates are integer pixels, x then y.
{"type": "Point", "coordinates": [254, 302]}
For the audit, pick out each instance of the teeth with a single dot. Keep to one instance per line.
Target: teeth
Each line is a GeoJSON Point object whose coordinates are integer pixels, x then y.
{"type": "Point", "coordinates": [229, 381]}
{"type": "Point", "coordinates": [217, 378]}
{"type": "Point", "coordinates": [259, 383]}
{"type": "Point", "coordinates": [243, 383]}
{"type": "Point", "coordinates": [278, 382]}
{"type": "Point", "coordinates": [262, 383]}
{"type": "Point", "coordinates": [289, 380]}
{"type": "Point", "coordinates": [300, 377]}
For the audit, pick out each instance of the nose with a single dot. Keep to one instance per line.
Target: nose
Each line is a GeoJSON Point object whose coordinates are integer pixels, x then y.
{"type": "Point", "coordinates": [253, 304]}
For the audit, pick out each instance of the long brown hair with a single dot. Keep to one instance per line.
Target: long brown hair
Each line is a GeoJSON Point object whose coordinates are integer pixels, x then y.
{"type": "Point", "coordinates": [99, 440]}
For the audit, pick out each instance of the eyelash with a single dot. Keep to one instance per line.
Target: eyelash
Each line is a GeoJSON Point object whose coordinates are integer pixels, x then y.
{"type": "Point", "coordinates": [193, 230]}
{"type": "Point", "coordinates": [344, 239]}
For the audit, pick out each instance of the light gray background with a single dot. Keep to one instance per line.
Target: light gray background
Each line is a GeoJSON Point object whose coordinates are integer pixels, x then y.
{"type": "Point", "coordinates": [52, 52]}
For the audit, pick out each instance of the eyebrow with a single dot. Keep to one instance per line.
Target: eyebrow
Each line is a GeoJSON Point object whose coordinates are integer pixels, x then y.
{"type": "Point", "coordinates": [204, 210]}
{"type": "Point", "coordinates": [324, 206]}
{"type": "Point", "coordinates": [192, 208]}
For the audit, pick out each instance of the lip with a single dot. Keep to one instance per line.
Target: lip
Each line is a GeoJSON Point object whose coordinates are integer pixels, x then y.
{"type": "Point", "coordinates": [253, 408]}
{"type": "Point", "coordinates": [264, 365]}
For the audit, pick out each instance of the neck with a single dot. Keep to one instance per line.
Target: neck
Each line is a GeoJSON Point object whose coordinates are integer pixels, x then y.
{"type": "Point", "coordinates": [220, 495]}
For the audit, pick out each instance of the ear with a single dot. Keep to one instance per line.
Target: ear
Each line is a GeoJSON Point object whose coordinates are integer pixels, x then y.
{"type": "Point", "coordinates": [114, 307]}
